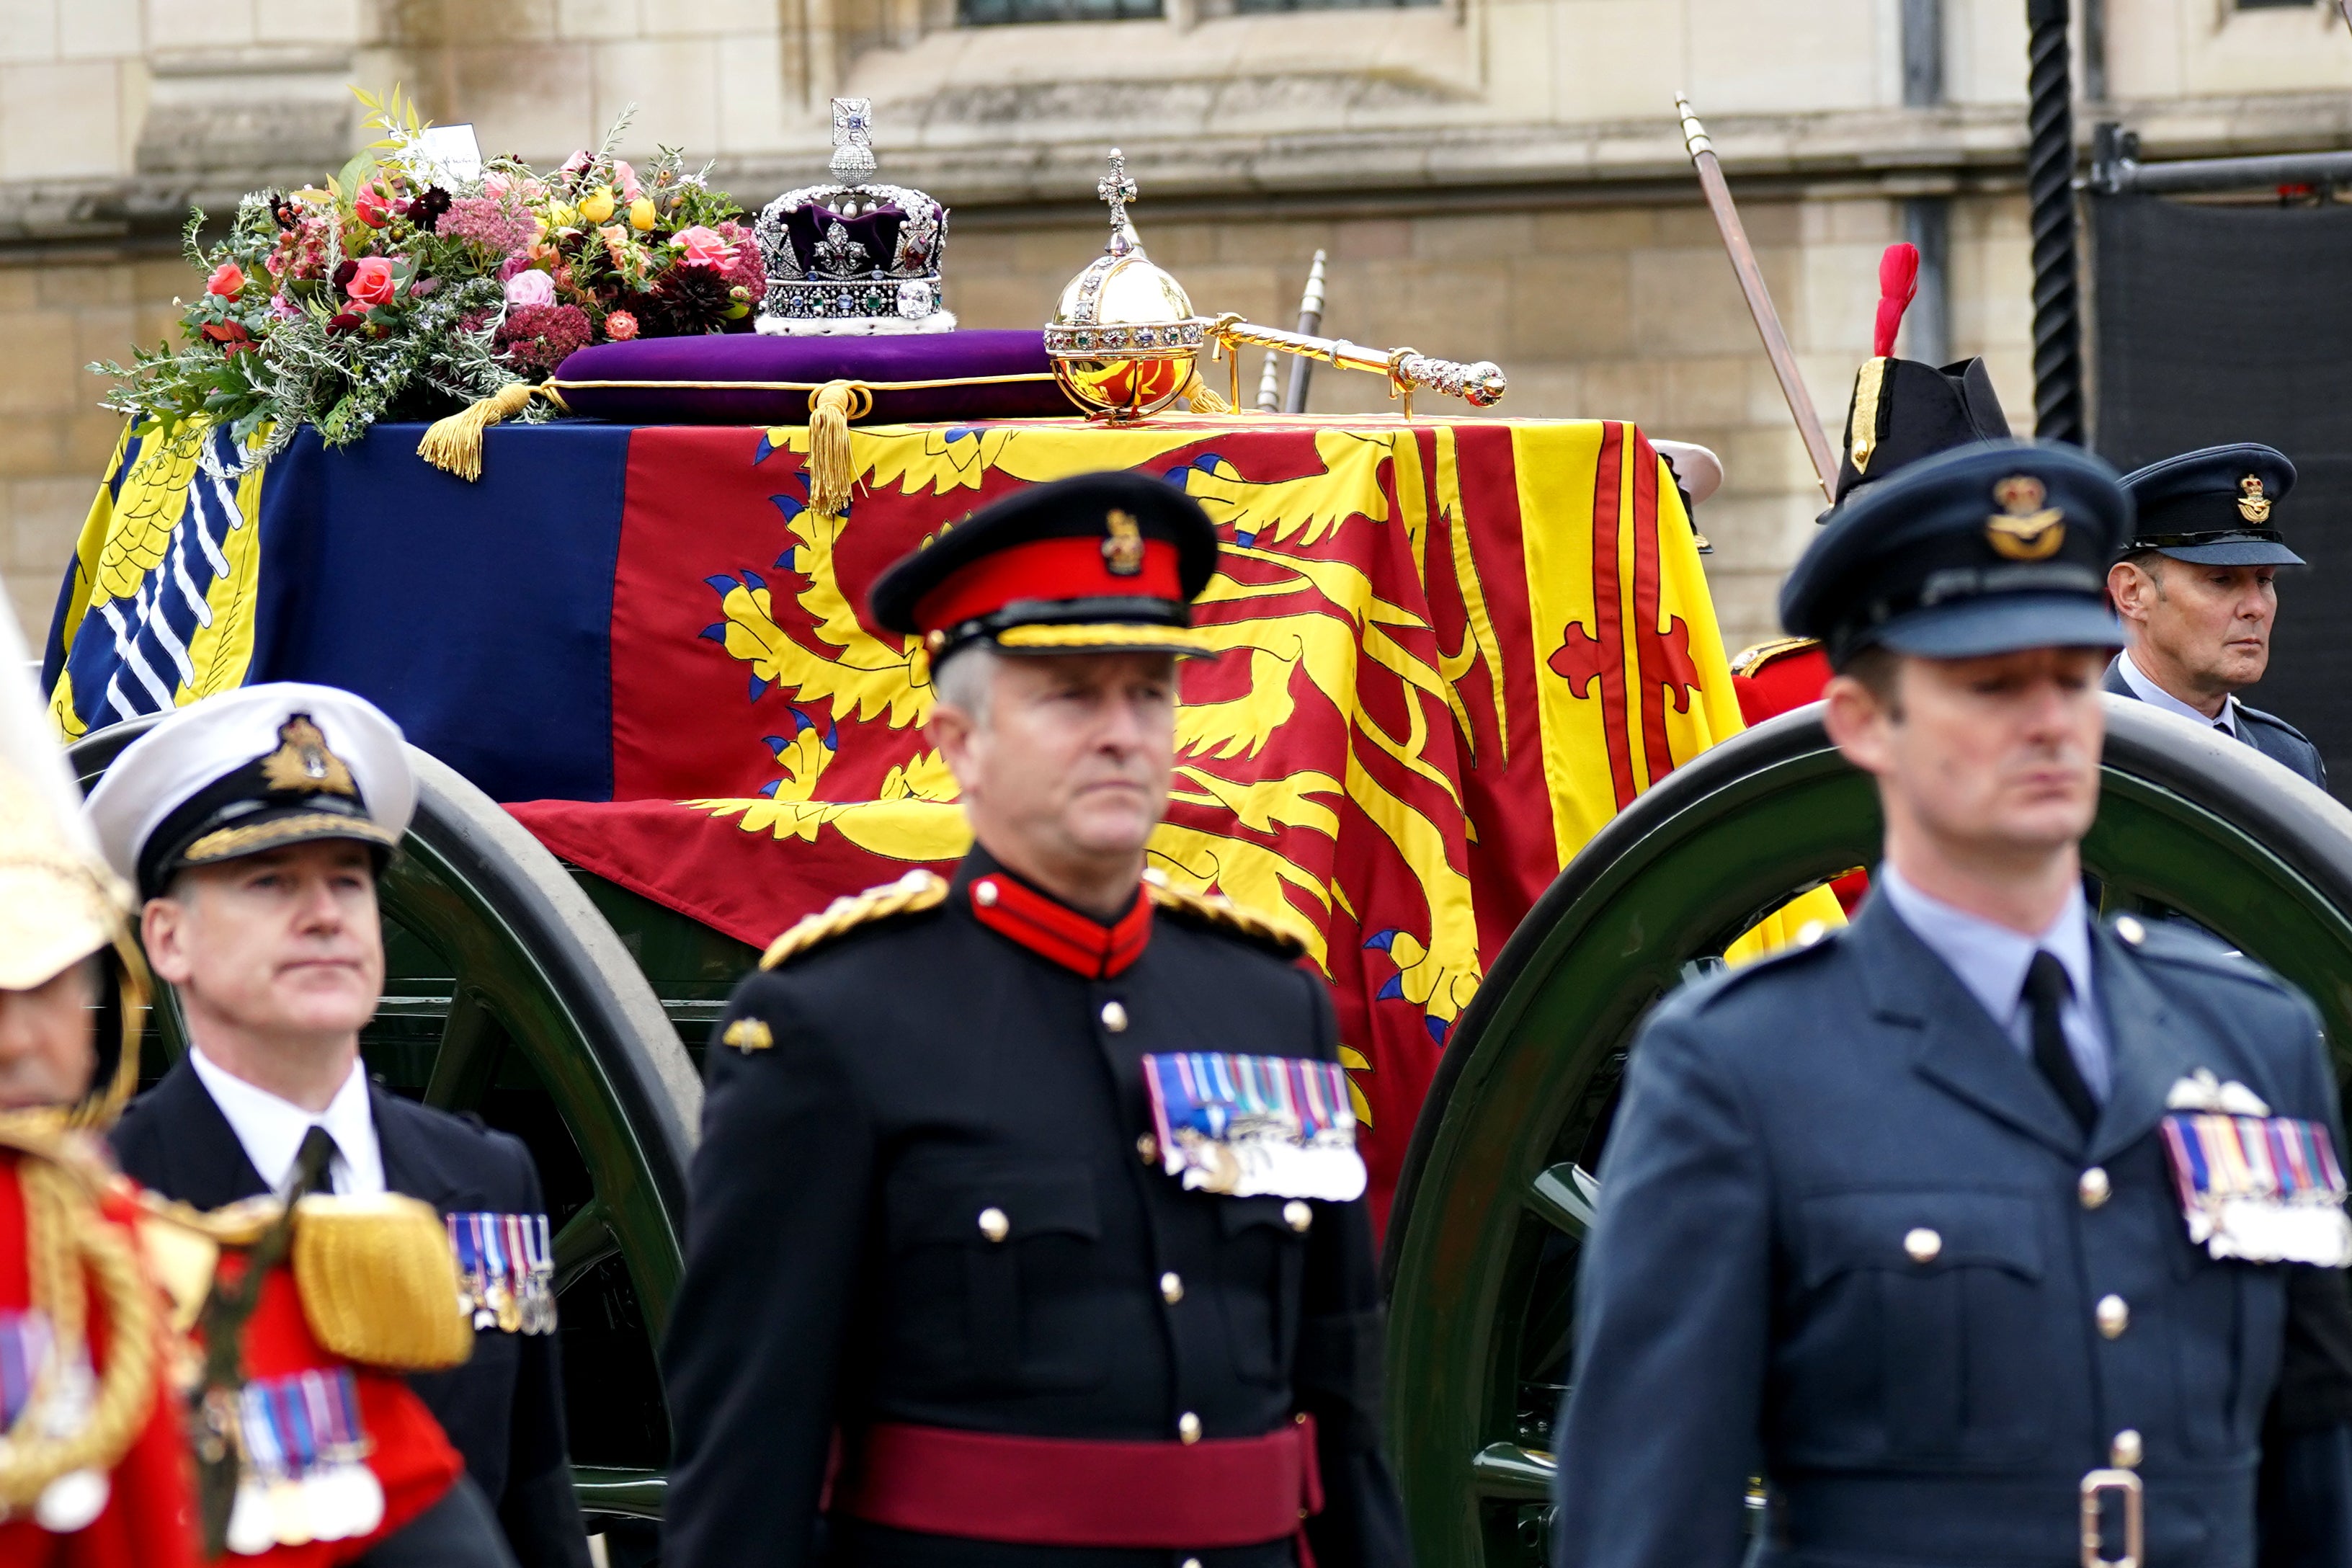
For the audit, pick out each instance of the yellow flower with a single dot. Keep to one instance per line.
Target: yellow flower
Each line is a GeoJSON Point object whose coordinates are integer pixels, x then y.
{"type": "Point", "coordinates": [642, 214]}
{"type": "Point", "coordinates": [598, 207]}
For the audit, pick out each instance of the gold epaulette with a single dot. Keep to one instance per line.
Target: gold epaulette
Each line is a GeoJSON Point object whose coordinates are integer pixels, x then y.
{"type": "Point", "coordinates": [1749, 660]}
{"type": "Point", "coordinates": [915, 891]}
{"type": "Point", "coordinates": [376, 1276]}
{"type": "Point", "coordinates": [1217, 909]}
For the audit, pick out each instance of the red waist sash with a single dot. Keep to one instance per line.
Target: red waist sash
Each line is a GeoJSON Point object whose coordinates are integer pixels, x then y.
{"type": "Point", "coordinates": [1058, 1492]}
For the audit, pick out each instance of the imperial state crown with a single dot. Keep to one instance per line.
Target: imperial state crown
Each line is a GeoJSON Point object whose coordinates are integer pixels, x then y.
{"type": "Point", "coordinates": [851, 257]}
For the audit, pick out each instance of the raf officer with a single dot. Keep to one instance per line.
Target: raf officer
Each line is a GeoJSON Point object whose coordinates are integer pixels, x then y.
{"type": "Point", "coordinates": [255, 824]}
{"type": "Point", "coordinates": [2197, 590]}
{"type": "Point", "coordinates": [1034, 1185]}
{"type": "Point", "coordinates": [1919, 1223]}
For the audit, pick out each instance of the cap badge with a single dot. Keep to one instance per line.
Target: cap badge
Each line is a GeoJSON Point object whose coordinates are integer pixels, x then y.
{"type": "Point", "coordinates": [2024, 529]}
{"type": "Point", "coordinates": [2253, 505]}
{"type": "Point", "coordinates": [302, 763]}
{"type": "Point", "coordinates": [1123, 551]}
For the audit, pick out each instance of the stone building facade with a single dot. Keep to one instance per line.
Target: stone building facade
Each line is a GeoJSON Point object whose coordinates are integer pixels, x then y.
{"type": "Point", "coordinates": [1490, 178]}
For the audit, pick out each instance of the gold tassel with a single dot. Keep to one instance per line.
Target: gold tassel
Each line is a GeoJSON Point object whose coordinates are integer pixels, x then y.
{"type": "Point", "coordinates": [454, 444]}
{"type": "Point", "coordinates": [831, 470]}
{"type": "Point", "coordinates": [1204, 398]}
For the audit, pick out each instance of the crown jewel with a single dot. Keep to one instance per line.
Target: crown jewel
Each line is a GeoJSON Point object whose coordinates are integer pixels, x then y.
{"type": "Point", "coordinates": [849, 256]}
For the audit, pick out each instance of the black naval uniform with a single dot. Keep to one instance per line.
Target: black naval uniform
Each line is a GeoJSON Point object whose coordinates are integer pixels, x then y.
{"type": "Point", "coordinates": [503, 1408]}
{"type": "Point", "coordinates": [926, 1195]}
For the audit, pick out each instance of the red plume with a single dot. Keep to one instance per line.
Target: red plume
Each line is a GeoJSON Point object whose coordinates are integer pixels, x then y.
{"type": "Point", "coordinates": [1898, 285]}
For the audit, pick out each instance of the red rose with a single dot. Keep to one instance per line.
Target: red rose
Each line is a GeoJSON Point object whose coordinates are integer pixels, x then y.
{"type": "Point", "coordinates": [370, 281]}
{"type": "Point", "coordinates": [349, 321]}
{"type": "Point", "coordinates": [227, 280]}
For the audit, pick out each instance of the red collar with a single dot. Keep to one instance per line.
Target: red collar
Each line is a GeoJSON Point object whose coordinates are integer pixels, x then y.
{"type": "Point", "coordinates": [1054, 931]}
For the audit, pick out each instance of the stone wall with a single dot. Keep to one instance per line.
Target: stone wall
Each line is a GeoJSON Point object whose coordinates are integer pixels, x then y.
{"type": "Point", "coordinates": [1622, 311]}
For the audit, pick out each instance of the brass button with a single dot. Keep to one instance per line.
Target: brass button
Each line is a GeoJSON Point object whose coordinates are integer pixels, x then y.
{"type": "Point", "coordinates": [2114, 1315]}
{"type": "Point", "coordinates": [993, 1225]}
{"type": "Point", "coordinates": [1113, 1017]}
{"type": "Point", "coordinates": [1171, 1288]}
{"type": "Point", "coordinates": [2124, 1454]}
{"type": "Point", "coordinates": [1298, 1216]}
{"type": "Point", "coordinates": [1188, 1427]}
{"type": "Point", "coordinates": [2128, 928]}
{"type": "Point", "coordinates": [1147, 1147]}
{"type": "Point", "coordinates": [983, 893]}
{"type": "Point", "coordinates": [2094, 1187]}
{"type": "Point", "coordinates": [1923, 1245]}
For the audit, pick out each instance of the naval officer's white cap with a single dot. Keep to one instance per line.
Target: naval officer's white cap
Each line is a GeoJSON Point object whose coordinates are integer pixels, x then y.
{"type": "Point", "coordinates": [250, 771]}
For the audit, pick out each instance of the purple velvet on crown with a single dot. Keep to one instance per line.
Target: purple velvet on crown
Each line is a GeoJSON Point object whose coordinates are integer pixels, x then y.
{"type": "Point", "coordinates": [874, 233]}
{"type": "Point", "coordinates": [873, 361]}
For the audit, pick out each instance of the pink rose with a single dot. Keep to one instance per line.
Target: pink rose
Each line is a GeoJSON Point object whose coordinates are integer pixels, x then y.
{"type": "Point", "coordinates": [370, 281]}
{"type": "Point", "coordinates": [227, 280]}
{"type": "Point", "coordinates": [706, 248]}
{"type": "Point", "coordinates": [373, 206]}
{"type": "Point", "coordinates": [533, 288]}
{"type": "Point", "coordinates": [626, 179]}
{"type": "Point", "coordinates": [620, 326]}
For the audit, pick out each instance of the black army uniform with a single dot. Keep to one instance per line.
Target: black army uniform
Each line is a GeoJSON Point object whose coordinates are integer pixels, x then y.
{"type": "Point", "coordinates": [2219, 507]}
{"type": "Point", "coordinates": [1946, 1230]}
{"type": "Point", "coordinates": [940, 1288]}
{"type": "Point", "coordinates": [257, 768]}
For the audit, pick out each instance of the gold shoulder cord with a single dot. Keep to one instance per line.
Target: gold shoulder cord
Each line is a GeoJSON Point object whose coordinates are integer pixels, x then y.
{"type": "Point", "coordinates": [70, 1248]}
{"type": "Point", "coordinates": [67, 1241]}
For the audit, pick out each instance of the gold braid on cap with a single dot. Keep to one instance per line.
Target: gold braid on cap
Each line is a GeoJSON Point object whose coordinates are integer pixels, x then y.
{"type": "Point", "coordinates": [71, 1249]}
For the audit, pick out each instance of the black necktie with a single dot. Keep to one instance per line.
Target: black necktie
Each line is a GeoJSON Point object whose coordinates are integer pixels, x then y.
{"type": "Point", "coordinates": [2046, 990]}
{"type": "Point", "coordinates": [311, 1163]}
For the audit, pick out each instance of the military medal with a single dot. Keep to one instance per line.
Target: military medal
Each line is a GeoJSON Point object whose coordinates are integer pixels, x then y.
{"type": "Point", "coordinates": [29, 1353]}
{"type": "Point", "coordinates": [302, 1478]}
{"type": "Point", "coordinates": [1255, 1126]}
{"type": "Point", "coordinates": [508, 1261]}
{"type": "Point", "coordinates": [2263, 1188]}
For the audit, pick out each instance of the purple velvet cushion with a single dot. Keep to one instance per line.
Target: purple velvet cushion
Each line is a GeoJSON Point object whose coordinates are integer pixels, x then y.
{"type": "Point", "coordinates": [1021, 383]}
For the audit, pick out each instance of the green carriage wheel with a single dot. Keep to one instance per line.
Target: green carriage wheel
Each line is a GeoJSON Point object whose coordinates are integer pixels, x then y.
{"type": "Point", "coordinates": [508, 994]}
{"type": "Point", "coordinates": [1496, 1191]}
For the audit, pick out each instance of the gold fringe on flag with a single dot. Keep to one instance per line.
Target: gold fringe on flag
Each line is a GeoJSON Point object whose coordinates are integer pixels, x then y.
{"type": "Point", "coordinates": [454, 444]}
{"type": "Point", "coordinates": [831, 468]}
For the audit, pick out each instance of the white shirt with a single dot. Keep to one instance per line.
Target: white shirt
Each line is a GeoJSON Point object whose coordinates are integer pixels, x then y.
{"type": "Point", "coordinates": [271, 1130]}
{"type": "Point", "coordinates": [1991, 960]}
{"type": "Point", "coordinates": [2155, 695]}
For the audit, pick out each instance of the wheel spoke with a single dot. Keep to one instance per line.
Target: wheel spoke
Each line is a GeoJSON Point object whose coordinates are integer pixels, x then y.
{"type": "Point", "coordinates": [170, 1024]}
{"type": "Point", "coordinates": [1508, 1470]}
{"type": "Point", "coordinates": [1565, 1196]}
{"type": "Point", "coordinates": [470, 1042]}
{"type": "Point", "coordinates": [586, 1240]}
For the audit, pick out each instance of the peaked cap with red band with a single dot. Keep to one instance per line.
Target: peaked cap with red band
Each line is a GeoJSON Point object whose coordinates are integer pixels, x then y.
{"type": "Point", "coordinates": [1106, 562]}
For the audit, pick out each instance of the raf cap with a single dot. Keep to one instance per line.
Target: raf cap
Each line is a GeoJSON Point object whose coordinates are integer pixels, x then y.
{"type": "Point", "coordinates": [249, 771]}
{"type": "Point", "coordinates": [1106, 562]}
{"type": "Point", "coordinates": [2217, 507]}
{"type": "Point", "coordinates": [1986, 549]}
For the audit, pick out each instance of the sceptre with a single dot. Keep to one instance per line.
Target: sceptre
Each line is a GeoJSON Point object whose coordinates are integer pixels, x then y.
{"type": "Point", "coordinates": [1759, 298]}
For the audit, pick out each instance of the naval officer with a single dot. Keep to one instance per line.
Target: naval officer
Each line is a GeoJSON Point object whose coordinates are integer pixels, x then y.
{"type": "Point", "coordinates": [1026, 1225]}
{"type": "Point", "coordinates": [1934, 1223]}
{"type": "Point", "coordinates": [2198, 590]}
{"type": "Point", "coordinates": [255, 824]}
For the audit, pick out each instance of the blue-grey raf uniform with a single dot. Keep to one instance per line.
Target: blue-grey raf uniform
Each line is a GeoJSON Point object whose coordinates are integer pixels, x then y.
{"type": "Point", "coordinates": [1888, 1220]}
{"type": "Point", "coordinates": [2218, 507]}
